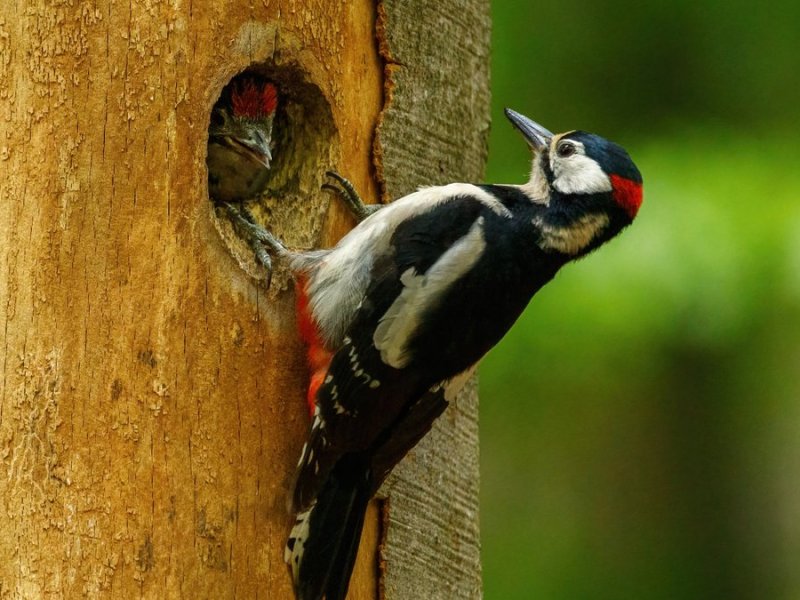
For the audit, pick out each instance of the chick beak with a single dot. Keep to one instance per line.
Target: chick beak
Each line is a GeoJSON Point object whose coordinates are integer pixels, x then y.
{"type": "Point", "coordinates": [259, 153]}
{"type": "Point", "coordinates": [537, 136]}
{"type": "Point", "coordinates": [264, 156]}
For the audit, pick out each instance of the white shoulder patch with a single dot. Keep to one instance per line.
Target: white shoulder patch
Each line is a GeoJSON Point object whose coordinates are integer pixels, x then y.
{"type": "Point", "coordinates": [339, 277]}
{"type": "Point", "coordinates": [453, 190]}
{"type": "Point", "coordinates": [420, 292]}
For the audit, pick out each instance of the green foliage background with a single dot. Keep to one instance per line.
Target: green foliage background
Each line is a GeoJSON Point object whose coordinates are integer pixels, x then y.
{"type": "Point", "coordinates": [641, 423]}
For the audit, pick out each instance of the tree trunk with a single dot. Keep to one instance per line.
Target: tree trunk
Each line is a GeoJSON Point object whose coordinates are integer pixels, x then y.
{"type": "Point", "coordinates": [152, 392]}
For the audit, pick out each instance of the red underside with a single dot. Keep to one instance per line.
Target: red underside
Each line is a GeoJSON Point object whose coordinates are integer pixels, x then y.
{"type": "Point", "coordinates": [318, 357]}
{"type": "Point", "coordinates": [627, 193]}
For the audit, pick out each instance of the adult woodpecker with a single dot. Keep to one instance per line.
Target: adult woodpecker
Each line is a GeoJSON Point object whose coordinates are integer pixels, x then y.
{"type": "Point", "coordinates": [240, 140]}
{"type": "Point", "coordinates": [398, 314]}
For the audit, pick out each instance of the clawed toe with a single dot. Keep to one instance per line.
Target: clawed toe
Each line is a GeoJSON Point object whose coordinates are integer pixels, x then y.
{"type": "Point", "coordinates": [261, 241]}
{"type": "Point", "coordinates": [347, 192]}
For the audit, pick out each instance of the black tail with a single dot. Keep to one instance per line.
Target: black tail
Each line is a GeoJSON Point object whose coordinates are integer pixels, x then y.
{"type": "Point", "coordinates": [322, 547]}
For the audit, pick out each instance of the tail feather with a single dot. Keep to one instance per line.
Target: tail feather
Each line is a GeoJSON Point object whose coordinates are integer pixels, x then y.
{"type": "Point", "coordinates": [342, 569]}
{"type": "Point", "coordinates": [322, 547]}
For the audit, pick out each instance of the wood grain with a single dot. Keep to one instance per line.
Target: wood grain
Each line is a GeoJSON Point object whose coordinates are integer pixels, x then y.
{"type": "Point", "coordinates": [152, 404]}
{"type": "Point", "coordinates": [152, 392]}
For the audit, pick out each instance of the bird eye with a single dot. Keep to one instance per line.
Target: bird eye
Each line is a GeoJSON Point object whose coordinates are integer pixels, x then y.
{"type": "Point", "coordinates": [566, 149]}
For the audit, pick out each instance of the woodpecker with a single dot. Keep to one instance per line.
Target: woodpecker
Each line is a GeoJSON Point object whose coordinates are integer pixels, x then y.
{"type": "Point", "coordinates": [240, 140]}
{"type": "Point", "coordinates": [399, 313]}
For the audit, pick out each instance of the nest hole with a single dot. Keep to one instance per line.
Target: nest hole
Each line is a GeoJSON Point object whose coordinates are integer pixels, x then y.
{"type": "Point", "coordinates": [304, 145]}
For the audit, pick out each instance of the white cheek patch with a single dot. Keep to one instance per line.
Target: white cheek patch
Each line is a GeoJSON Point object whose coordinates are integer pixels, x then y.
{"type": "Point", "coordinates": [578, 174]}
{"type": "Point", "coordinates": [420, 292]}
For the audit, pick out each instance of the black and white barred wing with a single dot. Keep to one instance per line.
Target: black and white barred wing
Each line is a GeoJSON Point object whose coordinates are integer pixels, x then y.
{"type": "Point", "coordinates": [369, 400]}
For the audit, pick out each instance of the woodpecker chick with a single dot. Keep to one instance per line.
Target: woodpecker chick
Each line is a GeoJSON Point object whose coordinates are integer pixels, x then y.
{"type": "Point", "coordinates": [399, 313]}
{"type": "Point", "coordinates": [240, 140]}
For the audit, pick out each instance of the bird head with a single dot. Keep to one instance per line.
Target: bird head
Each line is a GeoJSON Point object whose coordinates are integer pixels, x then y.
{"type": "Point", "coordinates": [240, 140]}
{"type": "Point", "coordinates": [581, 167]}
{"type": "Point", "coordinates": [588, 188]}
{"type": "Point", "coordinates": [244, 124]}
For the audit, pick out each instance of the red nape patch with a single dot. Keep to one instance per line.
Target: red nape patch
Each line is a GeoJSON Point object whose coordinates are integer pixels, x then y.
{"type": "Point", "coordinates": [317, 356]}
{"type": "Point", "coordinates": [627, 193]}
{"type": "Point", "coordinates": [254, 100]}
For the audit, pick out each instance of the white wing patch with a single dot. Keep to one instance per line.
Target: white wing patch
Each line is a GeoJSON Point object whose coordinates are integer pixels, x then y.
{"type": "Point", "coordinates": [420, 292]}
{"type": "Point", "coordinates": [339, 277]}
{"type": "Point", "coordinates": [453, 190]}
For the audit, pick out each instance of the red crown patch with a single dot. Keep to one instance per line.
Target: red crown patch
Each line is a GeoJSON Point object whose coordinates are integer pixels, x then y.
{"type": "Point", "coordinates": [254, 100]}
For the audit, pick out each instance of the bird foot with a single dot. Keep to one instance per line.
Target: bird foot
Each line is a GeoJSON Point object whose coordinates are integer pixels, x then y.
{"type": "Point", "coordinates": [262, 242]}
{"type": "Point", "coordinates": [348, 193]}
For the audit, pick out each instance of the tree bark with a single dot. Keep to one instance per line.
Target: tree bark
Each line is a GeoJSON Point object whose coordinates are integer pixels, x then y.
{"type": "Point", "coordinates": [435, 130]}
{"type": "Point", "coordinates": [152, 392]}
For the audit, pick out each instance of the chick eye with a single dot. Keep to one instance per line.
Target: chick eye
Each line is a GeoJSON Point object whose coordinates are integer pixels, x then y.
{"type": "Point", "coordinates": [566, 149]}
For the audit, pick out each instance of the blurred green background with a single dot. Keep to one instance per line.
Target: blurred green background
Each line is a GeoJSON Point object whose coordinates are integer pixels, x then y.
{"type": "Point", "coordinates": [641, 423]}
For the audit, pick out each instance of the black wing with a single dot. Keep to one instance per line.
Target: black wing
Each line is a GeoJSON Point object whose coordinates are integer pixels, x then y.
{"type": "Point", "coordinates": [366, 403]}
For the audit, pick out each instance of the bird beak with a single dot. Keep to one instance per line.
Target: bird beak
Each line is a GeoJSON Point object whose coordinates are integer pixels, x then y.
{"type": "Point", "coordinates": [537, 136]}
{"type": "Point", "coordinates": [266, 157]}
{"type": "Point", "coordinates": [260, 154]}
{"type": "Point", "coordinates": [257, 153]}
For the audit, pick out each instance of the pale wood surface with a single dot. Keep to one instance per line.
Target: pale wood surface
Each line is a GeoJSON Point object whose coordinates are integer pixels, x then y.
{"type": "Point", "coordinates": [151, 396]}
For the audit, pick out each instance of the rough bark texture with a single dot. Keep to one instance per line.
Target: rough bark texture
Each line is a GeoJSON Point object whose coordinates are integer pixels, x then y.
{"type": "Point", "coordinates": [152, 393]}
{"type": "Point", "coordinates": [435, 130]}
